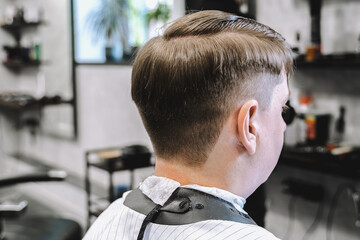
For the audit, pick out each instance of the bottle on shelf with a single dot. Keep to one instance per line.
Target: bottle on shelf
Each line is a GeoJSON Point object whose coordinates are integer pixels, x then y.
{"type": "Point", "coordinates": [313, 51]}
{"type": "Point", "coordinates": [304, 126]}
{"type": "Point", "coordinates": [340, 126]}
{"type": "Point", "coordinates": [35, 51]}
{"type": "Point", "coordinates": [25, 52]}
{"type": "Point", "coordinates": [296, 47]}
{"type": "Point", "coordinates": [32, 14]}
{"type": "Point", "coordinates": [19, 16]}
{"type": "Point", "coordinates": [9, 13]}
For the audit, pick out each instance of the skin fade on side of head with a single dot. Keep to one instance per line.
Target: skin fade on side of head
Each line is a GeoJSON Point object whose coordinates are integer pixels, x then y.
{"type": "Point", "coordinates": [186, 82]}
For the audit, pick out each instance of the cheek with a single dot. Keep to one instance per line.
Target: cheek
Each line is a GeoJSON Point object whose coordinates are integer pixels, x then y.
{"type": "Point", "coordinates": [281, 125]}
{"type": "Point", "coordinates": [279, 128]}
{"type": "Point", "coordinates": [280, 134]}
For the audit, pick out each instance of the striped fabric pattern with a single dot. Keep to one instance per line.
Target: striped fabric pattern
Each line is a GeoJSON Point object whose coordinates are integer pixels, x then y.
{"type": "Point", "coordinates": [120, 222]}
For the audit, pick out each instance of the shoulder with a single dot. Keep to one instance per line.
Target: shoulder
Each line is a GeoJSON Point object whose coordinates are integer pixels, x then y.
{"type": "Point", "coordinates": [116, 222]}
{"type": "Point", "coordinates": [210, 229]}
{"type": "Point", "coordinates": [114, 208]}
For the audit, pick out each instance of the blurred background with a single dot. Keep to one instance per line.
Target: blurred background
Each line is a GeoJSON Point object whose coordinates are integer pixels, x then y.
{"type": "Point", "coordinates": [65, 104]}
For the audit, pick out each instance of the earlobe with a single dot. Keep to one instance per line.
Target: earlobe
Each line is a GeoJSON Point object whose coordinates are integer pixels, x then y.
{"type": "Point", "coordinates": [247, 130]}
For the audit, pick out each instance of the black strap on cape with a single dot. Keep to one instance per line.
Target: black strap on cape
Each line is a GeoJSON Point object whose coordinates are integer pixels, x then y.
{"type": "Point", "coordinates": [184, 206]}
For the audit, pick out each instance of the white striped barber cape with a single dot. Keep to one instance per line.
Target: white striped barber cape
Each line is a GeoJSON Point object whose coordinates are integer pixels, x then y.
{"type": "Point", "coordinates": [120, 222]}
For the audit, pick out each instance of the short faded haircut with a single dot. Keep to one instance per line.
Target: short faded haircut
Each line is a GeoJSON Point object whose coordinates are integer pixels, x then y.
{"type": "Point", "coordinates": [186, 82]}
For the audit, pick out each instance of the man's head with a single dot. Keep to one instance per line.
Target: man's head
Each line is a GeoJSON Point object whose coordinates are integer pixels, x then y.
{"type": "Point", "coordinates": [187, 82]}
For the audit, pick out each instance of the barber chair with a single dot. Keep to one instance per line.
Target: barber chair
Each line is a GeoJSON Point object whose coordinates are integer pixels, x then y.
{"type": "Point", "coordinates": [15, 224]}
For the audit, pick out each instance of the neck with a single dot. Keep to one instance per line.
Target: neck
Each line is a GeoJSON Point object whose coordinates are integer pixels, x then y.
{"type": "Point", "coordinates": [228, 166]}
{"type": "Point", "coordinates": [231, 178]}
{"type": "Point", "coordinates": [185, 175]}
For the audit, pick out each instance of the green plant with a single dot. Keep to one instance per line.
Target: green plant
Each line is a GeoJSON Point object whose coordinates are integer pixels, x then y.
{"type": "Point", "coordinates": [109, 18]}
{"type": "Point", "coordinates": [162, 13]}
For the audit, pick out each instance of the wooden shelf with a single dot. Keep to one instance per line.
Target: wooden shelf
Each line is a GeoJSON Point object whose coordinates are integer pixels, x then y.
{"type": "Point", "coordinates": [20, 64]}
{"type": "Point", "coordinates": [113, 160]}
{"type": "Point", "coordinates": [319, 160]}
{"type": "Point", "coordinates": [18, 26]}
{"type": "Point", "coordinates": [333, 61]}
{"type": "Point", "coordinates": [29, 104]}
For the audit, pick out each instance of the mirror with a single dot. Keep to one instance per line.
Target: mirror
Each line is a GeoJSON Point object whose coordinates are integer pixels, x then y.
{"type": "Point", "coordinates": [37, 63]}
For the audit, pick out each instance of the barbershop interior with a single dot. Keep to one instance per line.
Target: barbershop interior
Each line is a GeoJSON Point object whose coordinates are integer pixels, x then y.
{"type": "Point", "coordinates": [72, 140]}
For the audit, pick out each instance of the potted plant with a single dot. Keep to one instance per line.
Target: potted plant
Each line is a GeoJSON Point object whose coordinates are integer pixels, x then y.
{"type": "Point", "coordinates": [158, 17]}
{"type": "Point", "coordinates": [160, 13]}
{"type": "Point", "coordinates": [108, 20]}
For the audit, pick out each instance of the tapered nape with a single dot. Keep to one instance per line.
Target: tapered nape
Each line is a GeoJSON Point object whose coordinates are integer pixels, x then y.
{"type": "Point", "coordinates": [186, 82]}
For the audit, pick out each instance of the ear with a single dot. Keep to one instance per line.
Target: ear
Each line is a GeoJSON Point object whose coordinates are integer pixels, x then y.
{"type": "Point", "coordinates": [247, 130]}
